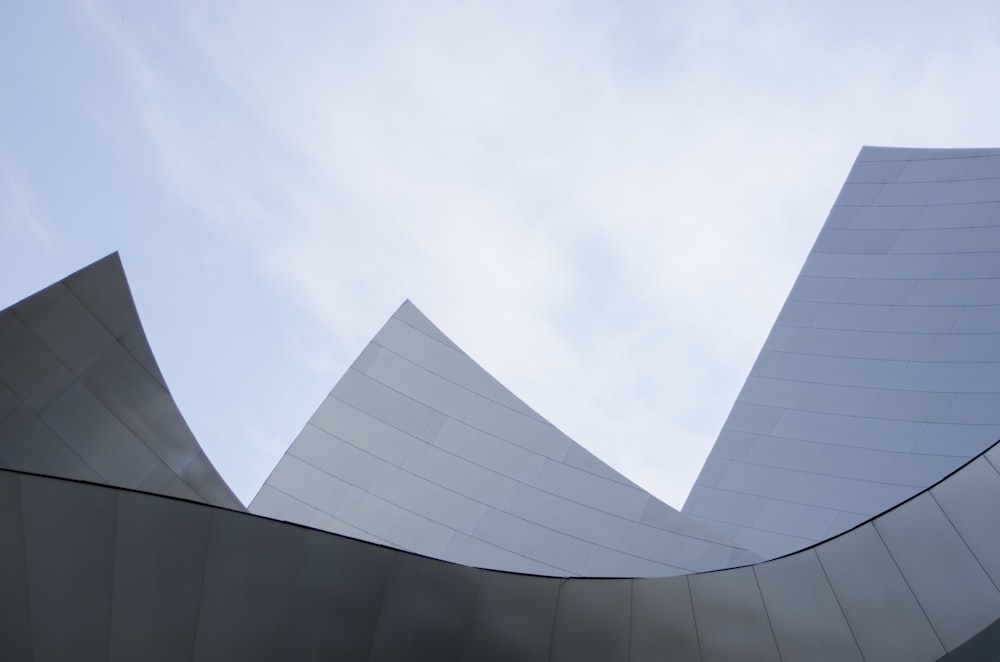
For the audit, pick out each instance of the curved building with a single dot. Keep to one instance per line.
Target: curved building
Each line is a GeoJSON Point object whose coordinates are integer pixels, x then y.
{"type": "Point", "coordinates": [81, 395]}
{"type": "Point", "coordinates": [97, 572]}
{"type": "Point", "coordinates": [862, 448]}
{"type": "Point", "coordinates": [882, 371]}
{"type": "Point", "coordinates": [419, 448]}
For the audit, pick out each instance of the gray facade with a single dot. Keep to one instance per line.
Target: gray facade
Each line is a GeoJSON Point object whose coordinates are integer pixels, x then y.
{"type": "Point", "coordinates": [96, 572]}
{"type": "Point", "coordinates": [120, 541]}
{"type": "Point", "coordinates": [81, 395]}
{"type": "Point", "coordinates": [419, 448]}
{"type": "Point", "coordinates": [882, 371]}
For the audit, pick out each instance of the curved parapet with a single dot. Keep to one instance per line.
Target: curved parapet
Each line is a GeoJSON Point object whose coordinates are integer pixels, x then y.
{"type": "Point", "coordinates": [81, 395]}
{"type": "Point", "coordinates": [419, 448]}
{"type": "Point", "coordinates": [882, 372]}
{"type": "Point", "coordinates": [96, 572]}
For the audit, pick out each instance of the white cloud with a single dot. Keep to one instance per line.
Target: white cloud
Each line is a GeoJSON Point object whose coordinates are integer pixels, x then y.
{"type": "Point", "coordinates": [605, 204]}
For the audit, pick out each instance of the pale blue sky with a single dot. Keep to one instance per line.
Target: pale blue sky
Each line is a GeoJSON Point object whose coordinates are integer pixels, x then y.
{"type": "Point", "coordinates": [604, 203]}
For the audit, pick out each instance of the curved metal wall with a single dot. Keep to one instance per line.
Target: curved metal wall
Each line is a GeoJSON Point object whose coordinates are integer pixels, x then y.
{"type": "Point", "coordinates": [81, 395]}
{"type": "Point", "coordinates": [882, 372]}
{"type": "Point", "coordinates": [419, 448]}
{"type": "Point", "coordinates": [879, 377]}
{"type": "Point", "coordinates": [96, 572]}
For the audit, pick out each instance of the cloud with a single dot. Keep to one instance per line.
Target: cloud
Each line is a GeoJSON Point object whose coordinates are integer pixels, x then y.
{"type": "Point", "coordinates": [605, 204]}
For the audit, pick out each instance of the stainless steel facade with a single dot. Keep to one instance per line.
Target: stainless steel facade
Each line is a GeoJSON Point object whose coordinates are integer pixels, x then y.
{"type": "Point", "coordinates": [81, 395]}
{"type": "Point", "coordinates": [419, 448]}
{"type": "Point", "coordinates": [882, 371]}
{"type": "Point", "coordinates": [108, 554]}
{"type": "Point", "coordinates": [96, 572]}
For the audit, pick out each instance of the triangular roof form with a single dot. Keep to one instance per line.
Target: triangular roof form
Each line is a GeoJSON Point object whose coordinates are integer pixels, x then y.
{"type": "Point", "coordinates": [81, 395]}
{"type": "Point", "coordinates": [419, 448]}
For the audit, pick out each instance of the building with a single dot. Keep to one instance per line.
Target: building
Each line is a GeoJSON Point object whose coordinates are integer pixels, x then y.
{"type": "Point", "coordinates": [468, 528]}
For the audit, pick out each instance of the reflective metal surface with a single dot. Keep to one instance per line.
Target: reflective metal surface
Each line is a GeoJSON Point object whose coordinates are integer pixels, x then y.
{"type": "Point", "coordinates": [128, 546]}
{"type": "Point", "coordinates": [420, 448]}
{"type": "Point", "coordinates": [83, 396]}
{"type": "Point", "coordinates": [880, 375]}
{"type": "Point", "coordinates": [109, 573]}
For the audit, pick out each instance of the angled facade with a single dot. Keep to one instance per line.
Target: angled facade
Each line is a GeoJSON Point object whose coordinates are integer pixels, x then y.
{"type": "Point", "coordinates": [419, 448]}
{"type": "Point", "coordinates": [850, 509]}
{"type": "Point", "coordinates": [81, 395]}
{"type": "Point", "coordinates": [882, 371]}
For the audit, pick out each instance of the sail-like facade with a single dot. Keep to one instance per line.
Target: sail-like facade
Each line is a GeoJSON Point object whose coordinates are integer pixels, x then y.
{"type": "Point", "coordinates": [419, 448]}
{"type": "Point", "coordinates": [850, 509]}
{"type": "Point", "coordinates": [81, 395]}
{"type": "Point", "coordinates": [882, 371]}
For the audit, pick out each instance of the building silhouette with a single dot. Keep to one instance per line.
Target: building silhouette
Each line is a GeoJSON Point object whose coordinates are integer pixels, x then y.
{"type": "Point", "coordinates": [850, 508]}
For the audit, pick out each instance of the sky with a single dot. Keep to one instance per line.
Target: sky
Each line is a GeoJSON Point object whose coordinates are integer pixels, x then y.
{"type": "Point", "coordinates": [603, 203]}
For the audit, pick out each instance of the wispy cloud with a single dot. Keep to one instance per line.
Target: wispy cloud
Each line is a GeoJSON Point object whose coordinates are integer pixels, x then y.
{"type": "Point", "coordinates": [605, 204]}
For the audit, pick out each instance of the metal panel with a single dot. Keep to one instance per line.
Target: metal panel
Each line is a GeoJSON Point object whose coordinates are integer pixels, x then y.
{"type": "Point", "coordinates": [971, 501]}
{"type": "Point", "coordinates": [564, 515]}
{"type": "Point", "coordinates": [579, 457]}
{"type": "Point", "coordinates": [394, 524]}
{"type": "Point", "coordinates": [952, 587]}
{"type": "Point", "coordinates": [69, 541]}
{"type": "Point", "coordinates": [272, 502]}
{"type": "Point", "coordinates": [409, 314]}
{"type": "Point", "coordinates": [308, 484]}
{"type": "Point", "coordinates": [855, 241]}
{"type": "Point", "coordinates": [773, 392]}
{"type": "Point", "coordinates": [456, 511]}
{"type": "Point", "coordinates": [30, 445]}
{"type": "Point", "coordinates": [249, 589]}
{"type": "Point", "coordinates": [886, 218]}
{"type": "Point", "coordinates": [506, 458]}
{"type": "Point", "coordinates": [154, 613]}
{"type": "Point", "coordinates": [757, 479]}
{"type": "Point", "coordinates": [337, 598]}
{"type": "Point", "coordinates": [466, 550]}
{"type": "Point", "coordinates": [15, 623]}
{"type": "Point", "coordinates": [594, 491]}
{"type": "Point", "coordinates": [836, 265]}
{"type": "Point", "coordinates": [66, 327]}
{"type": "Point", "coordinates": [823, 491]}
{"type": "Point", "coordinates": [346, 421]}
{"type": "Point", "coordinates": [731, 618]}
{"type": "Point", "coordinates": [833, 399]}
{"type": "Point", "coordinates": [593, 621]}
{"type": "Point", "coordinates": [935, 170]}
{"type": "Point", "coordinates": [806, 618]}
{"type": "Point", "coordinates": [676, 549]}
{"type": "Point", "coordinates": [425, 386]}
{"type": "Point", "coordinates": [960, 216]}
{"type": "Point", "coordinates": [916, 193]}
{"type": "Point", "coordinates": [883, 614]}
{"type": "Point", "coordinates": [443, 360]}
{"type": "Point", "coordinates": [426, 612]}
{"type": "Point", "coordinates": [525, 431]}
{"type": "Point", "coordinates": [952, 292]}
{"type": "Point", "coordinates": [782, 453]}
{"type": "Point", "coordinates": [663, 621]}
{"type": "Point", "coordinates": [25, 361]}
{"type": "Point", "coordinates": [385, 404]}
{"type": "Point", "coordinates": [514, 618]}
{"type": "Point", "coordinates": [101, 287]}
{"type": "Point", "coordinates": [534, 541]}
{"type": "Point", "coordinates": [950, 377]}
{"type": "Point", "coordinates": [142, 404]}
{"type": "Point", "coordinates": [336, 457]}
{"type": "Point", "coordinates": [796, 519]}
{"type": "Point", "coordinates": [460, 475]}
{"type": "Point", "coordinates": [876, 171]}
